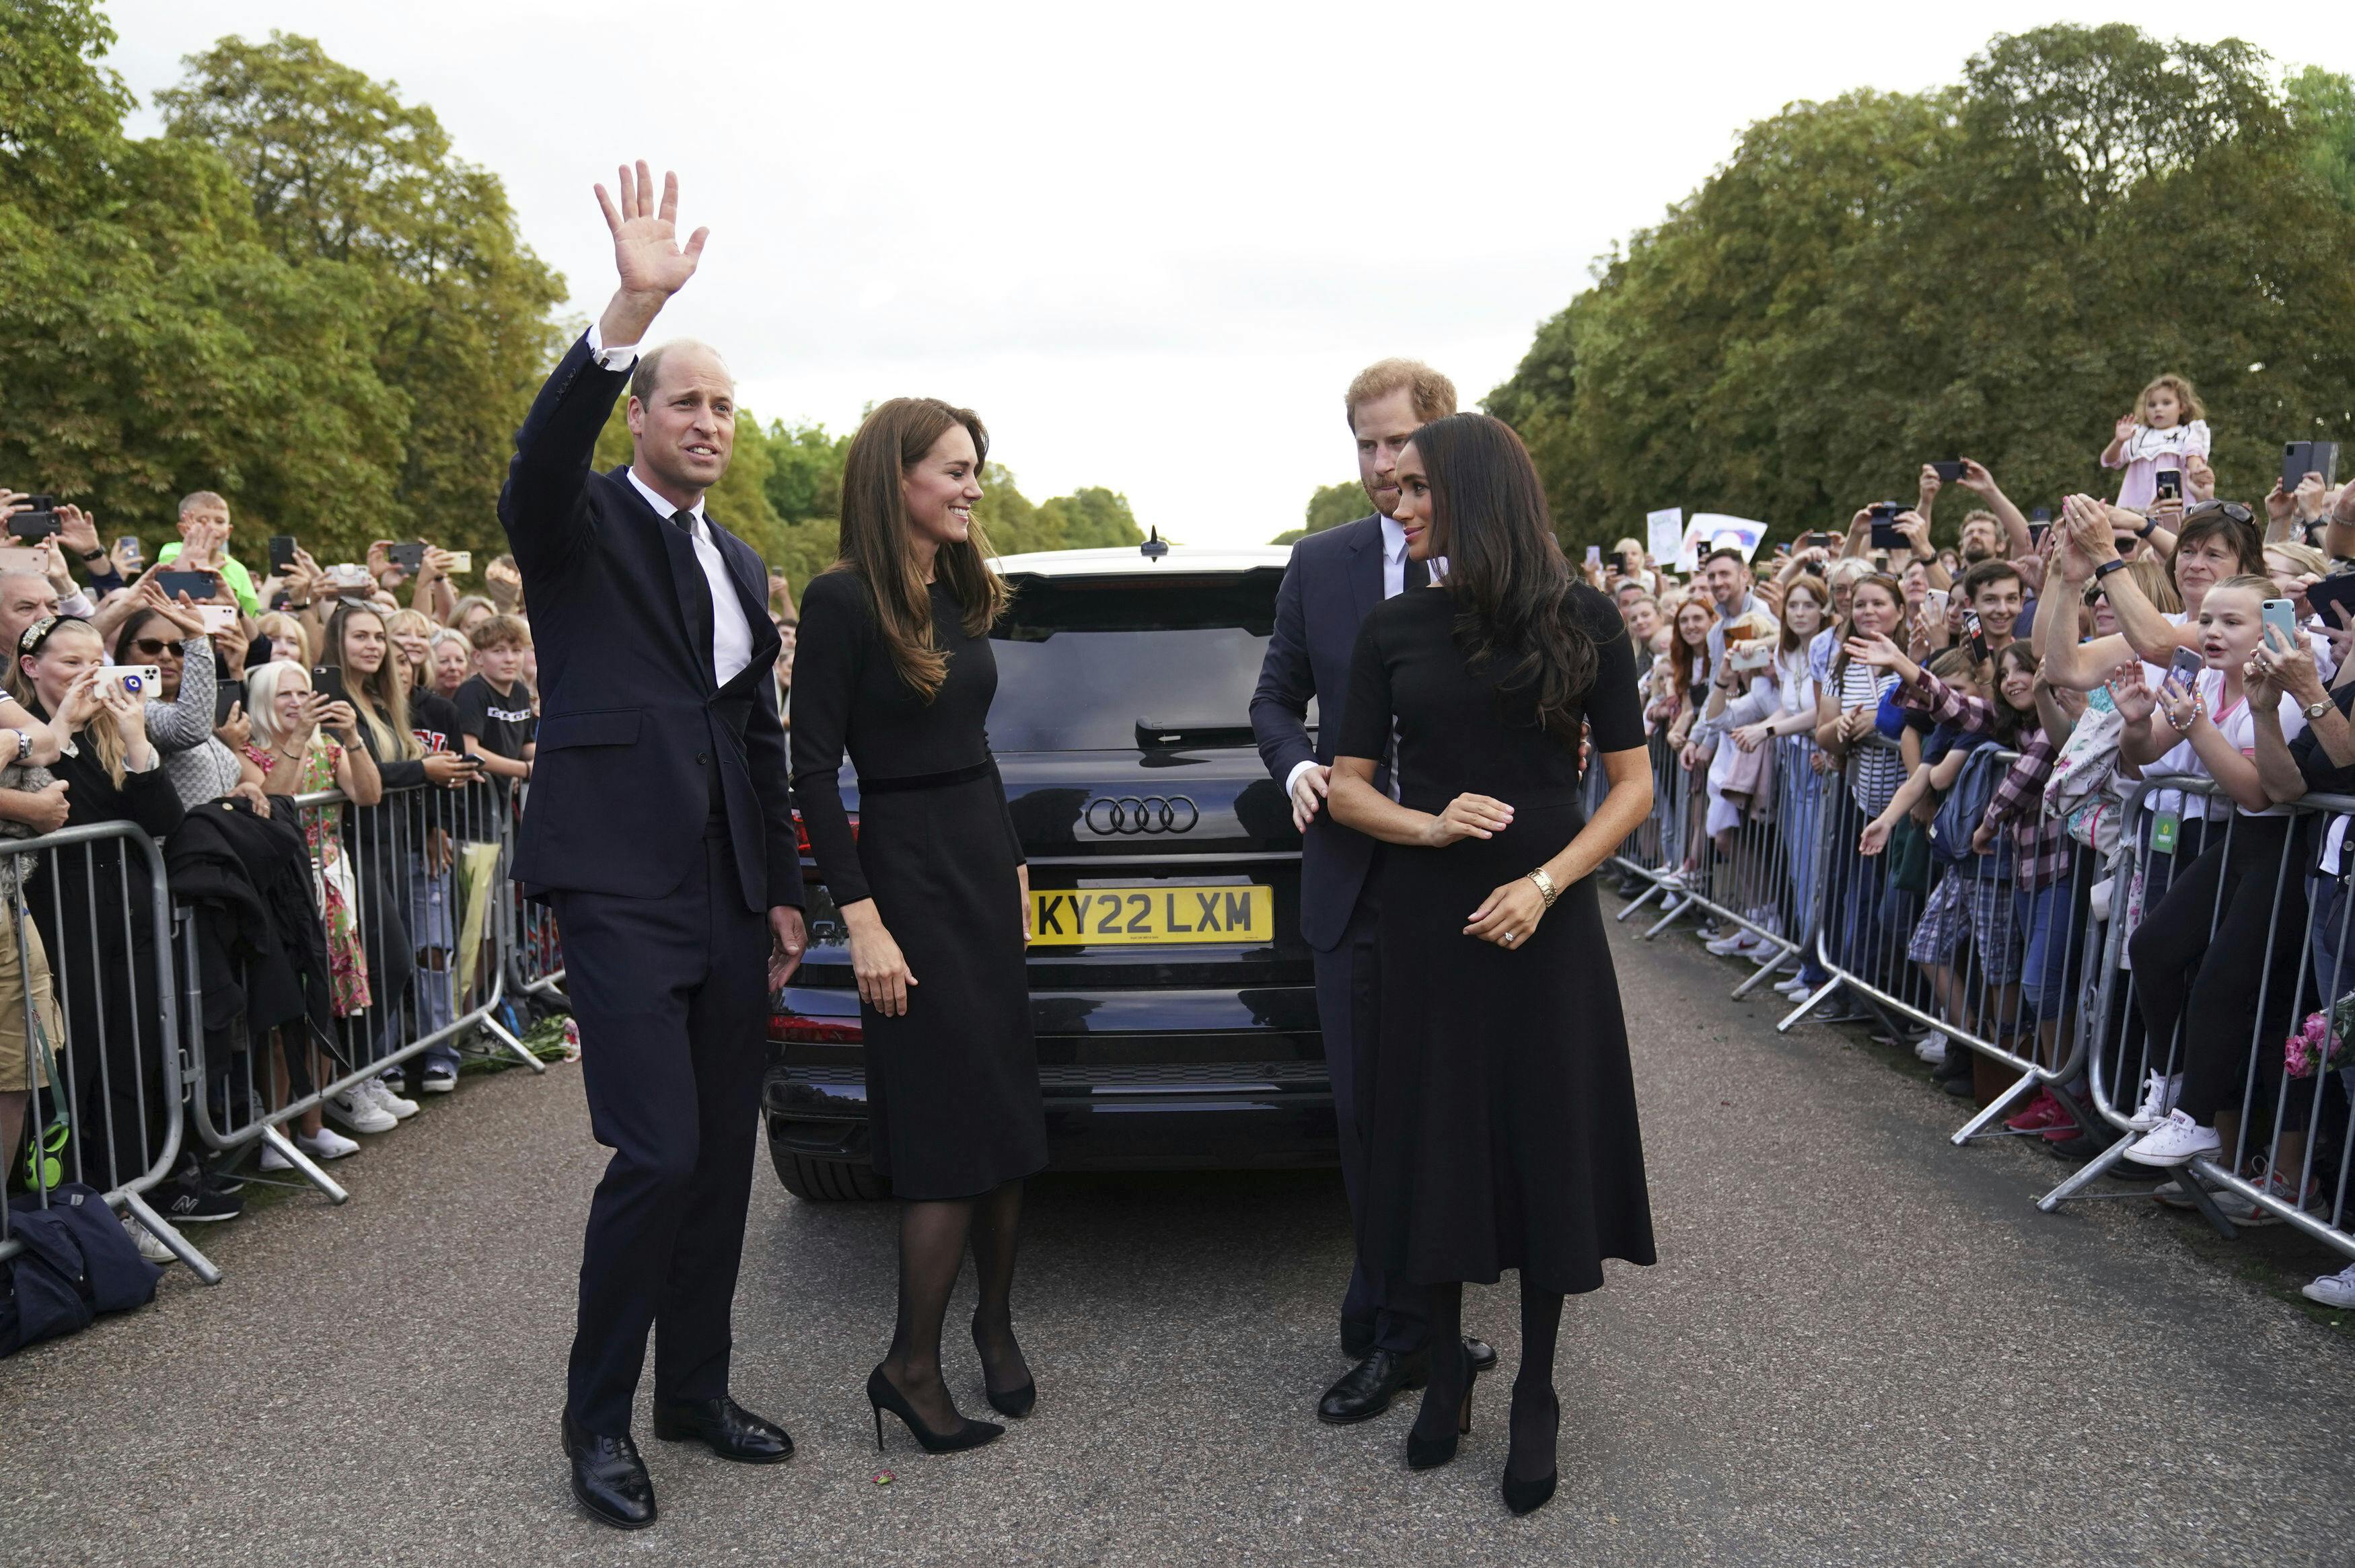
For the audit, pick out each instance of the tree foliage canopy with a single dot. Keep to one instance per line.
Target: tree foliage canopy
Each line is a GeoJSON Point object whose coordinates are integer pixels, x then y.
{"type": "Point", "coordinates": [343, 348]}
{"type": "Point", "coordinates": [1332, 503]}
{"type": "Point", "coordinates": [1991, 269]}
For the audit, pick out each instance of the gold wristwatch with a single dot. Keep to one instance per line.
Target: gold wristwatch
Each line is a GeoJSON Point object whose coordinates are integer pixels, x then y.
{"type": "Point", "coordinates": [1546, 889]}
{"type": "Point", "coordinates": [2316, 709]}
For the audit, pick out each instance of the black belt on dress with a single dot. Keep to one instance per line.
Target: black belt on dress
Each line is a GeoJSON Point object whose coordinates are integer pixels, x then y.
{"type": "Point", "coordinates": [924, 780]}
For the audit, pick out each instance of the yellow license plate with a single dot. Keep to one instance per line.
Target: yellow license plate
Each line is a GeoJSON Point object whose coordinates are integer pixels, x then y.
{"type": "Point", "coordinates": [1159, 916]}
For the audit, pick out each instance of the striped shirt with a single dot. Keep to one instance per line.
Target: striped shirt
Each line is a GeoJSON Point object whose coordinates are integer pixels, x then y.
{"type": "Point", "coordinates": [2042, 852]}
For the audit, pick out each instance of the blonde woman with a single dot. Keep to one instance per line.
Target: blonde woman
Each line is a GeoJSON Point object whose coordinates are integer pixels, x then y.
{"type": "Point", "coordinates": [305, 744]}
{"type": "Point", "coordinates": [289, 640]}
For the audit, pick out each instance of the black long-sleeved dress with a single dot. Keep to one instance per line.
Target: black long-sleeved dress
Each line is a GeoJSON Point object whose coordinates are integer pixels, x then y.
{"type": "Point", "coordinates": [1503, 1131]}
{"type": "Point", "coordinates": [952, 1084]}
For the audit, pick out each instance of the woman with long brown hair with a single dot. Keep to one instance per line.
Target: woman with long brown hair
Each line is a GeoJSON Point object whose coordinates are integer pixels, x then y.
{"type": "Point", "coordinates": [1503, 1129]}
{"type": "Point", "coordinates": [896, 670]}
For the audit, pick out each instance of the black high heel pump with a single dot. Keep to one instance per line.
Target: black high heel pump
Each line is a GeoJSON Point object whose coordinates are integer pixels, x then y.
{"type": "Point", "coordinates": [1430, 1453]}
{"type": "Point", "coordinates": [1528, 1496]}
{"type": "Point", "coordinates": [883, 1396]}
{"type": "Point", "coordinates": [1015, 1403]}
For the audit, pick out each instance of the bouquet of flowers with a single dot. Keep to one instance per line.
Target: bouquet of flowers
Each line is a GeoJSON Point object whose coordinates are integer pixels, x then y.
{"type": "Point", "coordinates": [2320, 1043]}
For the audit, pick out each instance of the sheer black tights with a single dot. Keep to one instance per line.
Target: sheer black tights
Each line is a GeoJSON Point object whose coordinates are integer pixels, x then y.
{"type": "Point", "coordinates": [932, 1239]}
{"type": "Point", "coordinates": [1536, 1413]}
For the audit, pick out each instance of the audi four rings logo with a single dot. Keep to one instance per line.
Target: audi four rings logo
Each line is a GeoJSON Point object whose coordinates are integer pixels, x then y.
{"type": "Point", "coordinates": [1146, 814]}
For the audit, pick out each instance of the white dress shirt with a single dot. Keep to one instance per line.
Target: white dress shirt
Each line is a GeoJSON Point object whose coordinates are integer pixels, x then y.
{"type": "Point", "coordinates": [732, 634]}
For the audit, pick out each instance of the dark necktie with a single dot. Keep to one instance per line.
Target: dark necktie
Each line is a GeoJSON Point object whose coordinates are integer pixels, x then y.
{"type": "Point", "coordinates": [694, 587]}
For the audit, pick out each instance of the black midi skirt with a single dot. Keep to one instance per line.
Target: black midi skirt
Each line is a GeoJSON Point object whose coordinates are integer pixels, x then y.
{"type": "Point", "coordinates": [1503, 1115]}
{"type": "Point", "coordinates": [952, 1084]}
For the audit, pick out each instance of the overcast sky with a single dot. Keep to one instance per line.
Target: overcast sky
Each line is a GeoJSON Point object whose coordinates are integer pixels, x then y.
{"type": "Point", "coordinates": [1151, 245]}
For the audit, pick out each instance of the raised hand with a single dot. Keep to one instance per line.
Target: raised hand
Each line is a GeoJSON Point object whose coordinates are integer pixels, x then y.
{"type": "Point", "coordinates": [2124, 427]}
{"type": "Point", "coordinates": [646, 253]}
{"type": "Point", "coordinates": [1877, 650]}
{"type": "Point", "coordinates": [1977, 478]}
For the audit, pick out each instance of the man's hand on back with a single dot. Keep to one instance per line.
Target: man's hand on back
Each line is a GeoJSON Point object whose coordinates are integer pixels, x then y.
{"type": "Point", "coordinates": [1310, 785]}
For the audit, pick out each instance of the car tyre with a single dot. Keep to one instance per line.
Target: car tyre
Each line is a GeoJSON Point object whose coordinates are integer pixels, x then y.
{"type": "Point", "coordinates": [827, 1180]}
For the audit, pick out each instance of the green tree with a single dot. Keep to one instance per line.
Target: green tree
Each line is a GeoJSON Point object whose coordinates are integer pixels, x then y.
{"type": "Point", "coordinates": [2322, 106]}
{"type": "Point", "coordinates": [340, 170]}
{"type": "Point", "coordinates": [1092, 519]}
{"type": "Point", "coordinates": [1332, 503]}
{"type": "Point", "coordinates": [1991, 269]}
{"type": "Point", "coordinates": [154, 342]}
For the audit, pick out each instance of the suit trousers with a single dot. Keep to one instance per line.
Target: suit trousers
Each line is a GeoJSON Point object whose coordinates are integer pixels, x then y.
{"type": "Point", "coordinates": [1349, 1004]}
{"type": "Point", "coordinates": [671, 995]}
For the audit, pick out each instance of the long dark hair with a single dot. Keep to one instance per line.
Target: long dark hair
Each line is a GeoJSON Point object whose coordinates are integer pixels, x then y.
{"type": "Point", "coordinates": [876, 545]}
{"type": "Point", "coordinates": [380, 700]}
{"type": "Point", "coordinates": [1510, 579]}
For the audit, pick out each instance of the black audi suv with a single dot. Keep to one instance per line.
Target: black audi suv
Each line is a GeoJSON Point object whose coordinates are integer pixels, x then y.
{"type": "Point", "coordinates": [1174, 1010]}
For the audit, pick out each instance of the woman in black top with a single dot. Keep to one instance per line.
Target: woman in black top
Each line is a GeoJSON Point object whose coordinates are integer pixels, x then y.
{"type": "Point", "coordinates": [899, 673]}
{"type": "Point", "coordinates": [1503, 1124]}
{"type": "Point", "coordinates": [96, 916]}
{"type": "Point", "coordinates": [385, 838]}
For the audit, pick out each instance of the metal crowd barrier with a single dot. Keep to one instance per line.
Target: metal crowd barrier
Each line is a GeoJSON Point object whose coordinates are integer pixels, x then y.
{"type": "Point", "coordinates": [95, 1015]}
{"type": "Point", "coordinates": [1748, 873]}
{"type": "Point", "coordinates": [1959, 946]}
{"type": "Point", "coordinates": [421, 911]}
{"type": "Point", "coordinates": [2272, 965]}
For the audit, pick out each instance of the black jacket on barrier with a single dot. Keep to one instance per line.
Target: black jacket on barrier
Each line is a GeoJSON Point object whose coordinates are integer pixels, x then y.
{"type": "Point", "coordinates": [261, 946]}
{"type": "Point", "coordinates": [632, 721]}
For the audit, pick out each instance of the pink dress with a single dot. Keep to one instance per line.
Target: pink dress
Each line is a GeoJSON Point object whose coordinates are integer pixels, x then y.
{"type": "Point", "coordinates": [2148, 450]}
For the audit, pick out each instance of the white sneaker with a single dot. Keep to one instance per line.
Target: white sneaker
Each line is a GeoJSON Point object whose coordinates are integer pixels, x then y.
{"type": "Point", "coordinates": [1794, 987]}
{"type": "Point", "coordinates": [358, 1109]}
{"type": "Point", "coordinates": [382, 1094]}
{"type": "Point", "coordinates": [329, 1145]}
{"type": "Point", "coordinates": [2178, 1140]}
{"type": "Point", "coordinates": [1734, 941]}
{"type": "Point", "coordinates": [2245, 1211]}
{"type": "Point", "coordinates": [2333, 1289]}
{"type": "Point", "coordinates": [2158, 1095]}
{"type": "Point", "coordinates": [1932, 1047]}
{"type": "Point", "coordinates": [149, 1248]}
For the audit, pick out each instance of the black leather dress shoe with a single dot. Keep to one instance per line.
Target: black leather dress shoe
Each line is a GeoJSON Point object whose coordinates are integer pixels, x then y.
{"type": "Point", "coordinates": [1367, 1388]}
{"type": "Point", "coordinates": [724, 1426]}
{"type": "Point", "coordinates": [1483, 1354]}
{"type": "Point", "coordinates": [610, 1478]}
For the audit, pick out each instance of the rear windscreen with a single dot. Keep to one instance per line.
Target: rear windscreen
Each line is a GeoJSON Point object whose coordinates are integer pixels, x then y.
{"type": "Point", "coordinates": [1081, 661]}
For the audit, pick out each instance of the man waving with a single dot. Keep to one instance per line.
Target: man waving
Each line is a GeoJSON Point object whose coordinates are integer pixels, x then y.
{"type": "Point", "coordinates": [659, 834]}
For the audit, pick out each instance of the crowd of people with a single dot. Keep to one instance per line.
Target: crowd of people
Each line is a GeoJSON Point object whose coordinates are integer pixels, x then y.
{"type": "Point", "coordinates": [1918, 756]}
{"type": "Point", "coordinates": [378, 680]}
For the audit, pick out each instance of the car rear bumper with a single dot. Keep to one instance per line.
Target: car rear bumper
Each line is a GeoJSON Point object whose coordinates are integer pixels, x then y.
{"type": "Point", "coordinates": [1216, 1099]}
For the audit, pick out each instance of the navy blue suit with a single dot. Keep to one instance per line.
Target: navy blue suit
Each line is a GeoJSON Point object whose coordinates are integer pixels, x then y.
{"type": "Point", "coordinates": [658, 829]}
{"type": "Point", "coordinates": [1333, 582]}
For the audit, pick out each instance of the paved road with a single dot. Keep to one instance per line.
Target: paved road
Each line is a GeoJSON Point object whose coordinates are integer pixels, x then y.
{"type": "Point", "coordinates": [1862, 1346]}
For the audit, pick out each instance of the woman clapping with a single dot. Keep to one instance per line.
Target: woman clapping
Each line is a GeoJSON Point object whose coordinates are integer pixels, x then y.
{"type": "Point", "coordinates": [1502, 1128]}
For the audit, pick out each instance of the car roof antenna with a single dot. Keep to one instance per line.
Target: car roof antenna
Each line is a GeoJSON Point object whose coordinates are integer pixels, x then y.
{"type": "Point", "coordinates": [1154, 548]}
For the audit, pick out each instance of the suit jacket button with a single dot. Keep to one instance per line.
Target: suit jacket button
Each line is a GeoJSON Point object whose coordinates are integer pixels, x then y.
{"type": "Point", "coordinates": [699, 759]}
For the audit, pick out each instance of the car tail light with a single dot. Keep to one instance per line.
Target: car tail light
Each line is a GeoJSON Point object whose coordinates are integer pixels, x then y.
{"type": "Point", "coordinates": [788, 1028]}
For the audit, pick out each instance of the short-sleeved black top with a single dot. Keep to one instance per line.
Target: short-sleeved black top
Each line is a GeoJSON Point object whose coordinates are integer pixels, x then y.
{"type": "Point", "coordinates": [1457, 731]}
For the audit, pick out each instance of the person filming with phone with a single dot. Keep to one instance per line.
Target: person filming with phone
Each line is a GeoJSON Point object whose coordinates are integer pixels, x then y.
{"type": "Point", "coordinates": [204, 547]}
{"type": "Point", "coordinates": [113, 775]}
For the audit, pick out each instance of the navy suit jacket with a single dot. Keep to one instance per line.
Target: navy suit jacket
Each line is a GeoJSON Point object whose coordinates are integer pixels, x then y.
{"type": "Point", "coordinates": [632, 722]}
{"type": "Point", "coordinates": [1333, 583]}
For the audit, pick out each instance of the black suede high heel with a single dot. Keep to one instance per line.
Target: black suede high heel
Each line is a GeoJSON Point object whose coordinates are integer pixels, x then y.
{"type": "Point", "coordinates": [1528, 1496]}
{"type": "Point", "coordinates": [883, 1395]}
{"type": "Point", "coordinates": [1016, 1402]}
{"type": "Point", "coordinates": [1430, 1453]}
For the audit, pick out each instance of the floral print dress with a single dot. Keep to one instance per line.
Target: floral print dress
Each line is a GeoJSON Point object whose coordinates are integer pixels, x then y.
{"type": "Point", "coordinates": [331, 874]}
